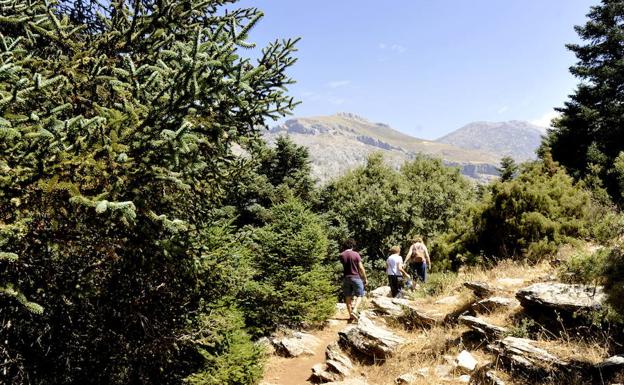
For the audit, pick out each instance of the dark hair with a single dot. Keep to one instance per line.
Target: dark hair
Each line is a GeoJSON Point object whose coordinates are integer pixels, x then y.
{"type": "Point", "coordinates": [349, 244]}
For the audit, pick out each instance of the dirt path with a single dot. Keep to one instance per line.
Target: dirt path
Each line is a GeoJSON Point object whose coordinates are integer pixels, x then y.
{"type": "Point", "coordinates": [296, 371]}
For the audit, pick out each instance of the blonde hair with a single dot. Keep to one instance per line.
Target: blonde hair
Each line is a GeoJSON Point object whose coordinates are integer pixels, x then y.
{"type": "Point", "coordinates": [417, 239]}
{"type": "Point", "coordinates": [395, 249]}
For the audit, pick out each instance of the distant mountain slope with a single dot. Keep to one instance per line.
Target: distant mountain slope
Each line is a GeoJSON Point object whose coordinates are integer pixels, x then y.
{"type": "Point", "coordinates": [343, 141]}
{"type": "Point", "coordinates": [514, 138]}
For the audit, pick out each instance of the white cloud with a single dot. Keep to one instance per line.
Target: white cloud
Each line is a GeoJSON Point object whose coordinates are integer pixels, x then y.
{"type": "Point", "coordinates": [544, 120]}
{"type": "Point", "coordinates": [338, 83]}
{"type": "Point", "coordinates": [398, 48]}
{"type": "Point", "coordinates": [502, 110]}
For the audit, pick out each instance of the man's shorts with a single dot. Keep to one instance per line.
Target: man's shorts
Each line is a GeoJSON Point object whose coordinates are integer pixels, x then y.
{"type": "Point", "coordinates": [353, 287]}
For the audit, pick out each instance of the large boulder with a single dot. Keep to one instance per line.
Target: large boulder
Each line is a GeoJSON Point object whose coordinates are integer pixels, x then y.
{"type": "Point", "coordinates": [369, 341]}
{"type": "Point", "coordinates": [294, 344]}
{"type": "Point", "coordinates": [562, 297]}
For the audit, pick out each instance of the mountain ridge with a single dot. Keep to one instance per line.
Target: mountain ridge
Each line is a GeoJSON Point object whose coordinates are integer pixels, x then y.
{"type": "Point", "coordinates": [343, 141]}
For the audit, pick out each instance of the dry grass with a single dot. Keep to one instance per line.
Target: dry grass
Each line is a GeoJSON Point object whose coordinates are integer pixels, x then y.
{"type": "Point", "coordinates": [426, 349]}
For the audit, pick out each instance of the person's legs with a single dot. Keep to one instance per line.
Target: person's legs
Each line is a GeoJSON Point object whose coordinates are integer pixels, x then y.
{"type": "Point", "coordinates": [392, 282]}
{"type": "Point", "coordinates": [349, 309]}
{"type": "Point", "coordinates": [358, 292]}
{"type": "Point", "coordinates": [421, 271]}
{"type": "Point", "coordinates": [347, 290]}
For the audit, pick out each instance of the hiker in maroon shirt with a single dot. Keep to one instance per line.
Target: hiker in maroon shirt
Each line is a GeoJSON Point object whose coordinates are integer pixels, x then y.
{"type": "Point", "coordinates": [354, 277]}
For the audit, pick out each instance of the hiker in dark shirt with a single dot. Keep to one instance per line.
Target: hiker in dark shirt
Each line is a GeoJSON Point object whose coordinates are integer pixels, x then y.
{"type": "Point", "coordinates": [354, 278]}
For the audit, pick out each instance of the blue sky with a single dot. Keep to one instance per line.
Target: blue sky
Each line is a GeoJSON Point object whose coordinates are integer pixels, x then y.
{"type": "Point", "coordinates": [427, 67]}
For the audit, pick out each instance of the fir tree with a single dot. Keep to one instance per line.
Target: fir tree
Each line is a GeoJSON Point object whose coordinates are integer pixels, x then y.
{"type": "Point", "coordinates": [587, 138]}
{"type": "Point", "coordinates": [117, 123]}
{"type": "Point", "coordinates": [508, 168]}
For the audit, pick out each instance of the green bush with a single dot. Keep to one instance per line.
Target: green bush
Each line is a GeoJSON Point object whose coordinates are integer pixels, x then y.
{"type": "Point", "coordinates": [585, 267]}
{"type": "Point", "coordinates": [525, 217]}
{"type": "Point", "coordinates": [380, 207]}
{"type": "Point", "coordinates": [117, 125]}
{"type": "Point", "coordinates": [614, 278]}
{"type": "Point", "coordinates": [292, 284]}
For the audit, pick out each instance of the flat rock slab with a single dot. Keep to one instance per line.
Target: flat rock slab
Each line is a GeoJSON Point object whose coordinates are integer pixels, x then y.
{"type": "Point", "coordinates": [294, 344]}
{"type": "Point", "coordinates": [562, 297]}
{"type": "Point", "coordinates": [492, 304]}
{"type": "Point", "coordinates": [369, 340]}
{"type": "Point", "coordinates": [521, 353]}
{"type": "Point", "coordinates": [482, 326]}
{"type": "Point", "coordinates": [382, 291]}
{"type": "Point", "coordinates": [387, 306]}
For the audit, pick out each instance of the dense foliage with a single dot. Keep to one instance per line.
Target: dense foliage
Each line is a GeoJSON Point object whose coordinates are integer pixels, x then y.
{"type": "Point", "coordinates": [380, 207]}
{"type": "Point", "coordinates": [587, 138]}
{"type": "Point", "coordinates": [292, 283]}
{"type": "Point", "coordinates": [116, 133]}
{"type": "Point", "coordinates": [527, 216]}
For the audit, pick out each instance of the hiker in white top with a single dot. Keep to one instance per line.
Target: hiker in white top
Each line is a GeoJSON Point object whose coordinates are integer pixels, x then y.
{"type": "Point", "coordinates": [418, 259]}
{"type": "Point", "coordinates": [395, 271]}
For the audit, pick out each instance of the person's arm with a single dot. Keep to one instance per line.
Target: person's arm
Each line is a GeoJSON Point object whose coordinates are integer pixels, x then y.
{"type": "Point", "coordinates": [402, 270]}
{"type": "Point", "coordinates": [409, 254]}
{"type": "Point", "coordinates": [362, 272]}
{"type": "Point", "coordinates": [427, 256]}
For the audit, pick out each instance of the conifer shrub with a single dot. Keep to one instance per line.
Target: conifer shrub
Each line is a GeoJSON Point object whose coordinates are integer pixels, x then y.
{"type": "Point", "coordinates": [117, 122]}
{"type": "Point", "coordinates": [524, 217]}
{"type": "Point", "coordinates": [292, 283]}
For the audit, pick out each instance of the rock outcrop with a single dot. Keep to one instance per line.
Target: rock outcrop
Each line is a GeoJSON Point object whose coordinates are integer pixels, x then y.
{"type": "Point", "coordinates": [521, 354]}
{"type": "Point", "coordinates": [492, 304]}
{"type": "Point", "coordinates": [294, 344]}
{"type": "Point", "coordinates": [336, 367]}
{"type": "Point", "coordinates": [562, 297]}
{"type": "Point", "coordinates": [369, 341]}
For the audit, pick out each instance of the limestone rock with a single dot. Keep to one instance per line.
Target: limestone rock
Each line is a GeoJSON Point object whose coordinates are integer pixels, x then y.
{"type": "Point", "coordinates": [369, 340]}
{"type": "Point", "coordinates": [613, 362]}
{"type": "Point", "coordinates": [321, 374]}
{"type": "Point", "coordinates": [480, 289]}
{"type": "Point", "coordinates": [382, 291]}
{"type": "Point", "coordinates": [337, 360]}
{"type": "Point", "coordinates": [386, 306]}
{"type": "Point", "coordinates": [464, 378]}
{"type": "Point", "coordinates": [466, 362]}
{"type": "Point", "coordinates": [520, 353]}
{"type": "Point", "coordinates": [405, 379]}
{"type": "Point", "coordinates": [266, 345]}
{"type": "Point", "coordinates": [562, 297]}
{"type": "Point", "coordinates": [491, 304]}
{"type": "Point", "coordinates": [483, 327]}
{"type": "Point", "coordinates": [294, 344]}
{"type": "Point", "coordinates": [493, 379]}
